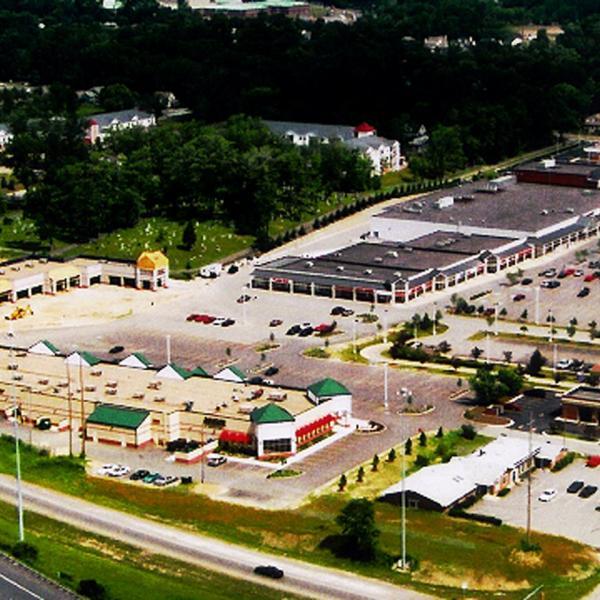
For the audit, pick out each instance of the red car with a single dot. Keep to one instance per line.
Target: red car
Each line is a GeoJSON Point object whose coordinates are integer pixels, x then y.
{"type": "Point", "coordinates": [518, 297]}
{"type": "Point", "coordinates": [590, 277]}
{"type": "Point", "coordinates": [192, 317]}
{"type": "Point", "coordinates": [324, 327]}
{"type": "Point", "coordinates": [206, 319]}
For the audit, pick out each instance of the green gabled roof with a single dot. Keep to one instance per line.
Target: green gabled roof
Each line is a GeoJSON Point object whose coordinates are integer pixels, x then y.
{"type": "Point", "coordinates": [200, 372]}
{"type": "Point", "coordinates": [50, 346]}
{"type": "Point", "coordinates": [89, 358]}
{"type": "Point", "coordinates": [142, 358]}
{"type": "Point", "coordinates": [112, 415]}
{"type": "Point", "coordinates": [328, 387]}
{"type": "Point", "coordinates": [182, 372]}
{"type": "Point", "coordinates": [270, 413]}
{"type": "Point", "coordinates": [237, 371]}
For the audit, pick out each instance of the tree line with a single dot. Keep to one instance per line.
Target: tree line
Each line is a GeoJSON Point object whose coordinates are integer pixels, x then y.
{"type": "Point", "coordinates": [236, 172]}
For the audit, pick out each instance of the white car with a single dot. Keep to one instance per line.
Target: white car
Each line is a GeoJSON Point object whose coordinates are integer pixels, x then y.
{"type": "Point", "coordinates": [578, 273]}
{"type": "Point", "coordinates": [118, 471]}
{"type": "Point", "coordinates": [105, 469]}
{"type": "Point", "coordinates": [547, 495]}
{"type": "Point", "coordinates": [214, 460]}
{"type": "Point", "coordinates": [219, 321]}
{"type": "Point", "coordinates": [564, 363]}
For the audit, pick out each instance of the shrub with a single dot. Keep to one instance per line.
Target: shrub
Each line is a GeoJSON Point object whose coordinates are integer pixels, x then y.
{"type": "Point", "coordinates": [440, 432]}
{"type": "Point", "coordinates": [90, 588]}
{"type": "Point", "coordinates": [24, 551]}
{"type": "Point", "coordinates": [468, 432]}
{"type": "Point", "coordinates": [342, 483]}
{"type": "Point", "coordinates": [375, 463]}
{"type": "Point", "coordinates": [564, 461]}
{"type": "Point", "coordinates": [528, 546]}
{"type": "Point", "coordinates": [422, 439]}
{"type": "Point", "coordinates": [421, 460]}
{"type": "Point", "coordinates": [504, 492]}
{"type": "Point", "coordinates": [391, 457]}
{"type": "Point", "coordinates": [408, 446]}
{"type": "Point", "coordinates": [461, 514]}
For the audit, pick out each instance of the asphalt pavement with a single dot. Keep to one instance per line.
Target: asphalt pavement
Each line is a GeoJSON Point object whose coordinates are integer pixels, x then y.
{"type": "Point", "coordinates": [17, 582]}
{"type": "Point", "coordinates": [237, 561]}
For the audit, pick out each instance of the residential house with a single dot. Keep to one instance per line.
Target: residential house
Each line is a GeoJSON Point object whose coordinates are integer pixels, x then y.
{"type": "Point", "coordinates": [383, 154]}
{"type": "Point", "coordinates": [102, 125]}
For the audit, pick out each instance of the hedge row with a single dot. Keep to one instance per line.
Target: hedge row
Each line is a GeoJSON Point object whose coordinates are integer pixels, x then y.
{"type": "Point", "coordinates": [354, 207]}
{"type": "Point", "coordinates": [460, 513]}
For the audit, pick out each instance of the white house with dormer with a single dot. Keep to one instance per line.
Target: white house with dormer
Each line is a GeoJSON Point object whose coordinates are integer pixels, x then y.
{"type": "Point", "coordinates": [383, 154]}
{"type": "Point", "coordinates": [6, 136]}
{"type": "Point", "coordinates": [102, 125]}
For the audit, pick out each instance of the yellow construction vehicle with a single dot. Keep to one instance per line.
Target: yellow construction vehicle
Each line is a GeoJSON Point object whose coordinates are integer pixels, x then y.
{"type": "Point", "coordinates": [19, 313]}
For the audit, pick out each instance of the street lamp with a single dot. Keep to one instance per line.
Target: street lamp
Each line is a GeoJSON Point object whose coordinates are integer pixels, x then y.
{"type": "Point", "coordinates": [17, 454]}
{"type": "Point", "coordinates": [385, 326]}
{"type": "Point", "coordinates": [537, 304]}
{"type": "Point", "coordinates": [434, 310]}
{"type": "Point", "coordinates": [385, 385]}
{"type": "Point", "coordinates": [354, 336]}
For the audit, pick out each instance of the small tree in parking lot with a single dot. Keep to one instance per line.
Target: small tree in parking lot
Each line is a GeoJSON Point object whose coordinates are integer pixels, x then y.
{"type": "Point", "coordinates": [360, 475]}
{"type": "Point", "coordinates": [536, 362]}
{"type": "Point", "coordinates": [342, 483]}
{"type": "Point", "coordinates": [375, 463]}
{"type": "Point", "coordinates": [422, 439]}
{"type": "Point", "coordinates": [408, 446]}
{"type": "Point", "coordinates": [391, 457]}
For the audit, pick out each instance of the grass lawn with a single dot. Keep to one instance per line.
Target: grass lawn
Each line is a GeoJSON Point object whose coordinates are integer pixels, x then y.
{"type": "Point", "coordinates": [18, 236]}
{"type": "Point", "coordinates": [388, 473]}
{"type": "Point", "coordinates": [450, 550]}
{"type": "Point", "coordinates": [69, 555]}
{"type": "Point", "coordinates": [214, 241]}
{"type": "Point", "coordinates": [396, 178]}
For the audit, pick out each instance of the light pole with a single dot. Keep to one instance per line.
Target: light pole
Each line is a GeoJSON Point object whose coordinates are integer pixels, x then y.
{"type": "Point", "coordinates": [244, 294]}
{"type": "Point", "coordinates": [385, 326]}
{"type": "Point", "coordinates": [554, 360]}
{"type": "Point", "coordinates": [168, 342]}
{"type": "Point", "coordinates": [496, 319]}
{"type": "Point", "coordinates": [537, 304]}
{"type": "Point", "coordinates": [551, 320]}
{"type": "Point", "coordinates": [354, 336]}
{"type": "Point", "coordinates": [434, 311]}
{"type": "Point", "coordinates": [385, 386]}
{"type": "Point", "coordinates": [15, 412]}
{"type": "Point", "coordinates": [487, 347]}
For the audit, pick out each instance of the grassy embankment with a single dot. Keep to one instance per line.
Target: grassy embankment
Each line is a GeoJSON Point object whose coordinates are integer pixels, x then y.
{"type": "Point", "coordinates": [69, 555]}
{"type": "Point", "coordinates": [450, 550]}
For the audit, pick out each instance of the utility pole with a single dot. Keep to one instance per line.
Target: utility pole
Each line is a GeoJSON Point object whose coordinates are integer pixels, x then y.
{"type": "Point", "coordinates": [70, 408]}
{"type": "Point", "coordinates": [15, 412]}
{"type": "Point", "coordinates": [554, 359]}
{"type": "Point", "coordinates": [537, 304]}
{"type": "Point", "coordinates": [168, 340]}
{"type": "Point", "coordinates": [82, 411]}
{"type": "Point", "coordinates": [385, 326]}
{"type": "Point", "coordinates": [434, 330]}
{"type": "Point", "coordinates": [202, 456]}
{"type": "Point", "coordinates": [354, 336]}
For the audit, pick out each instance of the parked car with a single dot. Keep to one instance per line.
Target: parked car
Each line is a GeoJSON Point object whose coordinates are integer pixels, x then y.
{"type": "Point", "coordinates": [271, 371]}
{"type": "Point", "coordinates": [347, 312]}
{"type": "Point", "coordinates": [116, 350]}
{"type": "Point", "coordinates": [588, 490]}
{"type": "Point", "coordinates": [294, 330]}
{"type": "Point", "coordinates": [105, 469]}
{"type": "Point", "coordinates": [151, 477]}
{"type": "Point", "coordinates": [548, 495]}
{"type": "Point", "coordinates": [119, 471]}
{"type": "Point", "coordinates": [551, 284]}
{"type": "Point", "coordinates": [583, 292]}
{"type": "Point", "coordinates": [578, 273]}
{"type": "Point", "coordinates": [139, 474]}
{"type": "Point", "coordinates": [233, 269]}
{"type": "Point", "coordinates": [215, 460]}
{"type": "Point", "coordinates": [548, 273]}
{"type": "Point", "coordinates": [244, 298]}
{"type": "Point", "coordinates": [565, 273]}
{"type": "Point", "coordinates": [255, 380]}
{"type": "Point", "coordinates": [275, 322]}
{"type": "Point", "coordinates": [337, 310]}
{"type": "Point", "coordinates": [590, 277]}
{"type": "Point", "coordinates": [269, 571]}
{"type": "Point", "coordinates": [575, 487]}
{"type": "Point", "coordinates": [228, 322]}
{"type": "Point", "coordinates": [219, 321]}
{"type": "Point", "coordinates": [43, 423]}
{"type": "Point", "coordinates": [564, 363]}
{"type": "Point", "coordinates": [594, 264]}
{"type": "Point", "coordinates": [306, 331]}
{"type": "Point", "coordinates": [192, 317]}
{"type": "Point", "coordinates": [518, 297]}
{"type": "Point", "coordinates": [206, 319]}
{"type": "Point", "coordinates": [527, 281]}
{"type": "Point", "coordinates": [325, 327]}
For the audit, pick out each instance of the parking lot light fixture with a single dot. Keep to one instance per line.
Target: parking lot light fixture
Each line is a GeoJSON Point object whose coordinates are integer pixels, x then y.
{"type": "Point", "coordinates": [537, 304]}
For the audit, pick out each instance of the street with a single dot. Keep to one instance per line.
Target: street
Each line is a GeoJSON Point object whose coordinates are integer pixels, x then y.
{"type": "Point", "coordinates": [301, 578]}
{"type": "Point", "coordinates": [17, 582]}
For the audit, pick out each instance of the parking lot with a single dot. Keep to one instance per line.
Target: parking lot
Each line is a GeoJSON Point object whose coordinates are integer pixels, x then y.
{"type": "Point", "coordinates": [567, 514]}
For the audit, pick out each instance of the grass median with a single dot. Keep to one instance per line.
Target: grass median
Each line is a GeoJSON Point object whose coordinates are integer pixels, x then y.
{"type": "Point", "coordinates": [451, 551]}
{"type": "Point", "coordinates": [69, 555]}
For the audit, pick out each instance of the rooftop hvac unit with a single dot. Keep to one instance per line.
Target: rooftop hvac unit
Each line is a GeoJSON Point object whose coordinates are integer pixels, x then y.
{"type": "Point", "coordinates": [339, 268]}
{"type": "Point", "coordinates": [392, 253]}
{"type": "Point", "coordinates": [549, 163]}
{"type": "Point", "coordinates": [570, 211]}
{"type": "Point", "coordinates": [408, 249]}
{"type": "Point", "coordinates": [378, 259]}
{"type": "Point", "coordinates": [544, 212]}
{"type": "Point", "coordinates": [310, 263]}
{"type": "Point", "coordinates": [368, 271]}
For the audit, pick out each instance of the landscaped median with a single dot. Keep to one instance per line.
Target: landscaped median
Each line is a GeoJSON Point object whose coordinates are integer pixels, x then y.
{"type": "Point", "coordinates": [450, 551]}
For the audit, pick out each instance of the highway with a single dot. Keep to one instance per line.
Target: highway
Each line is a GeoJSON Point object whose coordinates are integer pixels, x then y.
{"type": "Point", "coordinates": [20, 583]}
{"type": "Point", "coordinates": [237, 561]}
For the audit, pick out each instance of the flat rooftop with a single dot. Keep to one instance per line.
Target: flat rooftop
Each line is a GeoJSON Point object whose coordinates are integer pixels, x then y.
{"type": "Point", "coordinates": [44, 383]}
{"type": "Point", "coordinates": [380, 262]}
{"type": "Point", "coordinates": [522, 207]}
{"type": "Point", "coordinates": [575, 166]}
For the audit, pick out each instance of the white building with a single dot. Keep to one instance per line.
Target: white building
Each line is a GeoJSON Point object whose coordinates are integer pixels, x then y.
{"type": "Point", "coordinates": [102, 125]}
{"type": "Point", "coordinates": [384, 154]}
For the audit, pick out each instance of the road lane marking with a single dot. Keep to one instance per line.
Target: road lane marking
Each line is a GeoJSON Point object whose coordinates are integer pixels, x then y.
{"type": "Point", "coordinates": [20, 587]}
